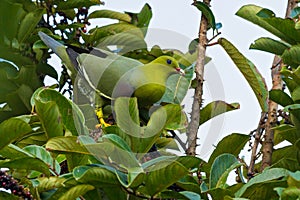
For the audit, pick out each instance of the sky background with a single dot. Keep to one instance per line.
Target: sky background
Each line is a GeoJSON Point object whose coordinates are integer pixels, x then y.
{"type": "Point", "coordinates": [176, 22]}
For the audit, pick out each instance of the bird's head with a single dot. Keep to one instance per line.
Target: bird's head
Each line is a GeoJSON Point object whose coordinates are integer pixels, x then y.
{"type": "Point", "coordinates": [169, 61]}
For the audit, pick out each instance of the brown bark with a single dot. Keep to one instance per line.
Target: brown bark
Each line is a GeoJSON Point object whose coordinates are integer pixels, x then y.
{"type": "Point", "coordinates": [268, 142]}
{"type": "Point", "coordinates": [197, 100]}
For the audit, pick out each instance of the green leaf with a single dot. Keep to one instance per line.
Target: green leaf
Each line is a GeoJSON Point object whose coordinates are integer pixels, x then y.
{"type": "Point", "coordinates": [225, 146]}
{"type": "Point", "coordinates": [42, 154]}
{"type": "Point", "coordinates": [65, 5]}
{"type": "Point", "coordinates": [64, 113]}
{"type": "Point", "coordinates": [161, 175]}
{"type": "Point", "coordinates": [76, 191]}
{"type": "Point", "coordinates": [8, 196]}
{"type": "Point", "coordinates": [220, 170]}
{"type": "Point", "coordinates": [216, 108]}
{"type": "Point", "coordinates": [26, 164]}
{"type": "Point", "coordinates": [280, 97]}
{"type": "Point", "coordinates": [176, 89]}
{"type": "Point", "coordinates": [49, 183]}
{"type": "Point", "coordinates": [296, 95]}
{"type": "Point", "coordinates": [12, 15]}
{"type": "Point", "coordinates": [107, 151]}
{"type": "Point", "coordinates": [110, 14]}
{"type": "Point", "coordinates": [206, 11]}
{"type": "Point", "coordinates": [97, 176]}
{"type": "Point", "coordinates": [29, 23]}
{"type": "Point", "coordinates": [13, 129]}
{"type": "Point", "coordinates": [66, 145]}
{"type": "Point", "coordinates": [12, 151]}
{"type": "Point", "coordinates": [264, 177]}
{"type": "Point", "coordinates": [285, 132]}
{"type": "Point", "coordinates": [50, 118]}
{"type": "Point", "coordinates": [249, 71]}
{"type": "Point", "coordinates": [269, 45]}
{"type": "Point", "coordinates": [282, 28]}
{"type": "Point", "coordinates": [95, 35]}
{"type": "Point", "coordinates": [290, 56]}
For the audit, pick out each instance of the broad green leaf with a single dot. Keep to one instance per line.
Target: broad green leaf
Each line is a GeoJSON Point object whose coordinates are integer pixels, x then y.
{"type": "Point", "coordinates": [108, 152]}
{"type": "Point", "coordinates": [110, 14]}
{"type": "Point", "coordinates": [65, 145]}
{"type": "Point", "coordinates": [95, 35]}
{"type": "Point", "coordinates": [42, 154]}
{"type": "Point", "coordinates": [12, 15]}
{"type": "Point", "coordinates": [69, 115]}
{"type": "Point", "coordinates": [26, 164]}
{"type": "Point", "coordinates": [285, 132]}
{"type": "Point", "coordinates": [291, 78]}
{"type": "Point", "coordinates": [296, 95]}
{"type": "Point", "coordinates": [290, 193]}
{"type": "Point", "coordinates": [282, 28]}
{"type": "Point", "coordinates": [29, 23]}
{"type": "Point", "coordinates": [65, 5]}
{"type": "Point", "coordinates": [12, 151]}
{"type": "Point", "coordinates": [290, 56]}
{"type": "Point", "coordinates": [76, 191]}
{"type": "Point", "coordinates": [216, 108]}
{"type": "Point", "coordinates": [225, 146]}
{"type": "Point", "coordinates": [176, 89]}
{"type": "Point", "coordinates": [13, 129]}
{"type": "Point", "coordinates": [295, 114]}
{"type": "Point", "coordinates": [220, 170]}
{"type": "Point", "coordinates": [264, 177]}
{"type": "Point", "coordinates": [161, 175]}
{"type": "Point", "coordinates": [206, 11]}
{"type": "Point", "coordinates": [49, 183]}
{"type": "Point", "coordinates": [8, 196]}
{"type": "Point", "coordinates": [280, 97]}
{"type": "Point", "coordinates": [127, 115]}
{"type": "Point", "coordinates": [97, 176]}
{"type": "Point", "coordinates": [126, 41]}
{"type": "Point", "coordinates": [286, 157]}
{"type": "Point", "coordinates": [249, 71]}
{"type": "Point", "coordinates": [170, 194]}
{"type": "Point", "coordinates": [269, 45]}
{"type": "Point", "coordinates": [50, 118]}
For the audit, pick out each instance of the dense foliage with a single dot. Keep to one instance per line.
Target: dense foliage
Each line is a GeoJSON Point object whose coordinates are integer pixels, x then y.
{"type": "Point", "coordinates": [52, 149]}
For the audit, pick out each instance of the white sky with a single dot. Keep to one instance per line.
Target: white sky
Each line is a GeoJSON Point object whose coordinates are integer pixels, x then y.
{"type": "Point", "coordinates": [181, 20]}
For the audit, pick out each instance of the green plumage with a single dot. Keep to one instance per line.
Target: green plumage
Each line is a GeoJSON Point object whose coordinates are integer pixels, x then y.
{"type": "Point", "coordinates": [112, 76]}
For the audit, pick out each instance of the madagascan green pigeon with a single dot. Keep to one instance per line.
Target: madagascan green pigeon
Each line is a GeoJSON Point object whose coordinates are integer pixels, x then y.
{"type": "Point", "coordinates": [110, 75]}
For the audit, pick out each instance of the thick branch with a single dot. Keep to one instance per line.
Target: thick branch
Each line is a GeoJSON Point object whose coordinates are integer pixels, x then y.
{"type": "Point", "coordinates": [268, 142]}
{"type": "Point", "coordinates": [197, 101]}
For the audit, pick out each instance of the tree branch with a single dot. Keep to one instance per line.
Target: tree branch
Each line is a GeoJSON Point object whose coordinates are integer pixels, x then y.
{"type": "Point", "coordinates": [268, 142]}
{"type": "Point", "coordinates": [197, 100]}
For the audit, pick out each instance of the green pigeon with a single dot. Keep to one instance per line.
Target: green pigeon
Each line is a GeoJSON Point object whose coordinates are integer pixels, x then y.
{"type": "Point", "coordinates": [110, 75]}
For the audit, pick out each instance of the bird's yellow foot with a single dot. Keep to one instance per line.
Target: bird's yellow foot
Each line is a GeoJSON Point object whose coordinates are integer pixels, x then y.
{"type": "Point", "coordinates": [102, 123]}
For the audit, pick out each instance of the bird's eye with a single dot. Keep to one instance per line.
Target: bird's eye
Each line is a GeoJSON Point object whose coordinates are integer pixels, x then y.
{"type": "Point", "coordinates": [169, 61]}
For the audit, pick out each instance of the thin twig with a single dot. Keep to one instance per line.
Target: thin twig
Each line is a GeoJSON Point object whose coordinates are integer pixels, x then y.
{"type": "Point", "coordinates": [197, 101]}
{"type": "Point", "coordinates": [257, 140]}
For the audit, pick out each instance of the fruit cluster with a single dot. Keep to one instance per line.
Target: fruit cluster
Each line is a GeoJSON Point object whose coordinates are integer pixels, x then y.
{"type": "Point", "coordinates": [9, 183]}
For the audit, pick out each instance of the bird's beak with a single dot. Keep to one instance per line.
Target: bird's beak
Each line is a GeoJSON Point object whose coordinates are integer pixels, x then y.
{"type": "Point", "coordinates": [180, 71]}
